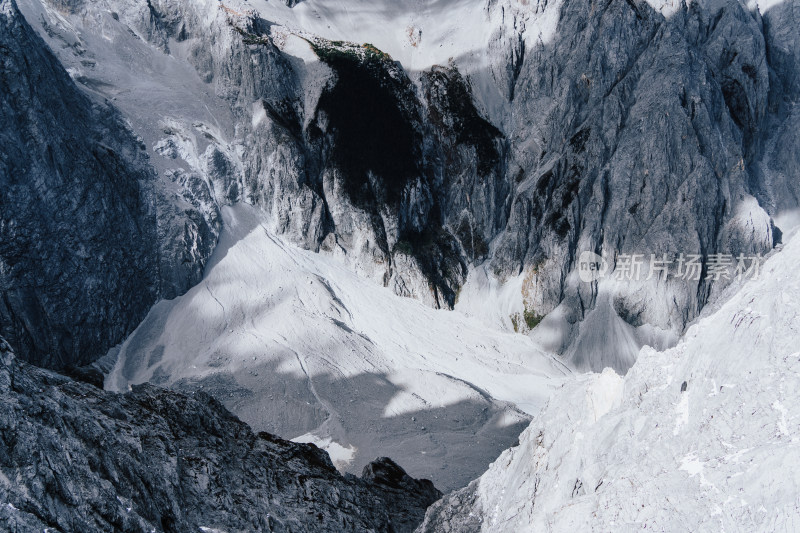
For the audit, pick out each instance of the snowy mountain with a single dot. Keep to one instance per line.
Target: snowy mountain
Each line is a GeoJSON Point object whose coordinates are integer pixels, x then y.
{"type": "Point", "coordinates": [296, 344]}
{"type": "Point", "coordinates": [364, 226]}
{"type": "Point", "coordinates": [443, 148]}
{"type": "Point", "coordinates": [703, 436]}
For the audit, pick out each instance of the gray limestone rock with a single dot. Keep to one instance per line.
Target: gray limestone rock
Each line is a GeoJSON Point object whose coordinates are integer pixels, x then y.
{"type": "Point", "coordinates": [87, 460]}
{"type": "Point", "coordinates": [628, 131]}
{"type": "Point", "coordinates": [78, 269]}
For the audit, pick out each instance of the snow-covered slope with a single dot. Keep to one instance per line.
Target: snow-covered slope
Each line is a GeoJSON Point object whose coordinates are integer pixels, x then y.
{"type": "Point", "coordinates": [702, 437]}
{"type": "Point", "coordinates": [415, 32]}
{"type": "Point", "coordinates": [296, 344]}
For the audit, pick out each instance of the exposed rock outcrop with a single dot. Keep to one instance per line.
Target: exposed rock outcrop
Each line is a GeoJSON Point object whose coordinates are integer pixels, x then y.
{"type": "Point", "coordinates": [90, 236]}
{"type": "Point", "coordinates": [636, 131]}
{"type": "Point", "coordinates": [76, 458]}
{"type": "Point", "coordinates": [77, 223]}
{"type": "Point", "coordinates": [632, 127]}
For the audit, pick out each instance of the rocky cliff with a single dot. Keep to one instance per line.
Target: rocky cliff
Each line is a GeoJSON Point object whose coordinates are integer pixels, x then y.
{"type": "Point", "coordinates": [466, 156]}
{"type": "Point", "coordinates": [76, 458]}
{"type": "Point", "coordinates": [639, 130]}
{"type": "Point", "coordinates": [91, 237]}
{"type": "Point", "coordinates": [77, 210]}
{"type": "Point", "coordinates": [630, 127]}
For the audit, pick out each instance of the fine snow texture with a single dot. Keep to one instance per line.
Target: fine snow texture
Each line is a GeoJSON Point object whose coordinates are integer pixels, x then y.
{"type": "Point", "coordinates": [296, 344]}
{"type": "Point", "coordinates": [701, 437]}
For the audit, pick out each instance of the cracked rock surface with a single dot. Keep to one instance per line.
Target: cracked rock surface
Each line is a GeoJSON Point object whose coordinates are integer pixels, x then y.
{"type": "Point", "coordinates": [76, 458]}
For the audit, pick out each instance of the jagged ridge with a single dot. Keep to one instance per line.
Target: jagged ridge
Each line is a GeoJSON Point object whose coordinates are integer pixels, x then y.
{"type": "Point", "coordinates": [76, 458]}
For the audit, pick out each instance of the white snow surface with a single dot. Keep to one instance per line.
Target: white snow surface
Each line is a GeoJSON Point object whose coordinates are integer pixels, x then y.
{"type": "Point", "coordinates": [490, 299]}
{"type": "Point", "coordinates": [422, 33]}
{"type": "Point", "coordinates": [296, 344]}
{"type": "Point", "coordinates": [641, 454]}
{"type": "Point", "coordinates": [417, 33]}
{"type": "Point", "coordinates": [155, 91]}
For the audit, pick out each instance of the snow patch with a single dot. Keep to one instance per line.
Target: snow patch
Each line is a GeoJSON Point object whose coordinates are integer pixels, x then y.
{"type": "Point", "coordinates": [681, 414]}
{"type": "Point", "coordinates": [341, 456]}
{"type": "Point", "coordinates": [604, 393]}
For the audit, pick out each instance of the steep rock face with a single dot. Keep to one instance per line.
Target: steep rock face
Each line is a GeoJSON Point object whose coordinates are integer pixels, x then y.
{"type": "Point", "coordinates": [77, 220]}
{"type": "Point", "coordinates": [91, 238]}
{"type": "Point", "coordinates": [635, 132]}
{"type": "Point", "coordinates": [593, 150]}
{"type": "Point", "coordinates": [775, 170]}
{"type": "Point", "coordinates": [354, 181]}
{"type": "Point", "coordinates": [471, 153]}
{"type": "Point", "coordinates": [75, 458]}
{"type": "Point", "coordinates": [403, 176]}
{"type": "Point", "coordinates": [381, 159]}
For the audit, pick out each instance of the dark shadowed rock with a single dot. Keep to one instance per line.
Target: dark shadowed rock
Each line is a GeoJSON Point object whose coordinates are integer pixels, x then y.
{"type": "Point", "coordinates": [153, 460]}
{"type": "Point", "coordinates": [77, 224]}
{"type": "Point", "coordinates": [89, 238]}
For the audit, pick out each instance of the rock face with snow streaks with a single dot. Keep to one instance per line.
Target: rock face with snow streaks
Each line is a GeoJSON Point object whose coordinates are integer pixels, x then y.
{"type": "Point", "coordinates": [638, 132]}
{"type": "Point", "coordinates": [464, 154]}
{"type": "Point", "coordinates": [630, 127]}
{"type": "Point", "coordinates": [77, 221]}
